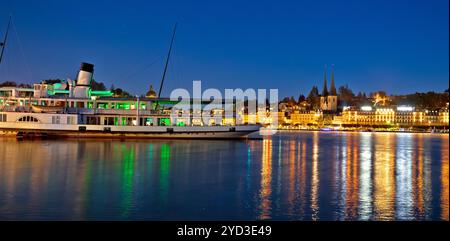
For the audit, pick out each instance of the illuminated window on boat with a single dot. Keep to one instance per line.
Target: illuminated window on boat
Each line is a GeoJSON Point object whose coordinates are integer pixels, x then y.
{"type": "Point", "coordinates": [102, 105]}
{"type": "Point", "coordinates": [116, 121]}
{"type": "Point", "coordinates": [3, 118]}
{"type": "Point", "coordinates": [93, 120]}
{"type": "Point", "coordinates": [164, 121]}
{"type": "Point", "coordinates": [148, 121]}
{"type": "Point", "coordinates": [109, 121]}
{"type": "Point", "coordinates": [123, 106]}
{"type": "Point", "coordinates": [70, 120]}
{"type": "Point", "coordinates": [80, 104]}
{"type": "Point", "coordinates": [28, 119]}
{"type": "Point", "coordinates": [128, 121]}
{"type": "Point", "coordinates": [56, 120]}
{"type": "Point", "coordinates": [90, 105]}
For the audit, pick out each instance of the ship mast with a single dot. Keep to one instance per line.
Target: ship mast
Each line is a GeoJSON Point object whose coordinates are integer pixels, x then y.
{"type": "Point", "coordinates": [167, 61]}
{"type": "Point", "coordinates": [3, 44]}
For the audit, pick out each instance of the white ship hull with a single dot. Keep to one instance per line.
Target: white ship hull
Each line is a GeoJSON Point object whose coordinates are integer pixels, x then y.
{"type": "Point", "coordinates": [17, 128]}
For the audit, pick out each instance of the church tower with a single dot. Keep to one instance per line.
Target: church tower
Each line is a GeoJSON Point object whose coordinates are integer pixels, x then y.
{"type": "Point", "coordinates": [328, 100]}
{"type": "Point", "coordinates": [323, 97]}
{"type": "Point", "coordinates": [324, 90]}
{"type": "Point", "coordinates": [332, 96]}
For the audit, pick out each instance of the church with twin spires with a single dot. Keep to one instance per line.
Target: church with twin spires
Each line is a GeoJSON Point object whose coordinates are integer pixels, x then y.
{"type": "Point", "coordinates": [328, 100]}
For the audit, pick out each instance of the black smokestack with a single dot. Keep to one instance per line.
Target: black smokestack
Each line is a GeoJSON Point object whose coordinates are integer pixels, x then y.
{"type": "Point", "coordinates": [87, 67]}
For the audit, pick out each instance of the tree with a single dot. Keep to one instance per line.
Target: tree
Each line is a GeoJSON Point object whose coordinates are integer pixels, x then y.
{"type": "Point", "coordinates": [120, 93]}
{"type": "Point", "coordinates": [25, 86]}
{"type": "Point", "coordinates": [429, 100]}
{"type": "Point", "coordinates": [117, 92]}
{"type": "Point", "coordinates": [97, 85]}
{"type": "Point", "coordinates": [346, 96]}
{"type": "Point", "coordinates": [313, 98]}
{"type": "Point", "coordinates": [292, 101]}
{"type": "Point", "coordinates": [301, 98]}
{"type": "Point", "coordinates": [360, 96]}
{"type": "Point", "coordinates": [380, 98]}
{"type": "Point", "coordinates": [51, 81]}
{"type": "Point", "coordinates": [8, 84]}
{"type": "Point", "coordinates": [285, 100]}
{"type": "Point", "coordinates": [380, 93]}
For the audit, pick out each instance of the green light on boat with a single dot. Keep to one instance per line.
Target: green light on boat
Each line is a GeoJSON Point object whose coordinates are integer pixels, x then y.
{"type": "Point", "coordinates": [56, 85]}
{"type": "Point", "coordinates": [101, 93]}
{"type": "Point", "coordinates": [164, 122]}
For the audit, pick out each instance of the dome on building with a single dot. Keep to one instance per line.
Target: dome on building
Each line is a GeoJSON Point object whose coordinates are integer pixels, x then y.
{"type": "Point", "coordinates": [151, 93]}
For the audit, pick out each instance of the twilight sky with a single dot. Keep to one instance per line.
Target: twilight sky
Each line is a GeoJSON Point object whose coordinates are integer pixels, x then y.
{"type": "Point", "coordinates": [399, 46]}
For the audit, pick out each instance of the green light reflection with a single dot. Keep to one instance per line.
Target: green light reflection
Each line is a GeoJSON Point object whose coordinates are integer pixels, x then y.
{"type": "Point", "coordinates": [164, 170]}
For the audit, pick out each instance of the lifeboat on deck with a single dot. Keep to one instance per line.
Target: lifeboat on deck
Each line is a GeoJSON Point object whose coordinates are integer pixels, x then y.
{"type": "Point", "coordinates": [59, 107]}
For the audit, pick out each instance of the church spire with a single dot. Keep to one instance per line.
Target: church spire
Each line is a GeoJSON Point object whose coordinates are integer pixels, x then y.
{"type": "Point", "coordinates": [325, 91]}
{"type": "Point", "coordinates": [332, 87]}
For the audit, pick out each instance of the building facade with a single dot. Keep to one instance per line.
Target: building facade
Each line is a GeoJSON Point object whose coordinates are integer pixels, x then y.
{"type": "Point", "coordinates": [401, 116]}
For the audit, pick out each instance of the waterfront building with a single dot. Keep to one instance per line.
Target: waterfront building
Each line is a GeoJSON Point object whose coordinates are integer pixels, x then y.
{"type": "Point", "coordinates": [284, 118]}
{"type": "Point", "coordinates": [443, 115]}
{"type": "Point", "coordinates": [306, 118]}
{"type": "Point", "coordinates": [337, 120]}
{"type": "Point", "coordinates": [391, 116]}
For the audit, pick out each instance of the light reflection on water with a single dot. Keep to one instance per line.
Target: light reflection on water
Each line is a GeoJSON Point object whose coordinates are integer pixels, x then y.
{"type": "Point", "coordinates": [291, 176]}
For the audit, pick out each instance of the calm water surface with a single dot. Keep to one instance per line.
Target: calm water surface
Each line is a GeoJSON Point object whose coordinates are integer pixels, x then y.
{"type": "Point", "coordinates": [290, 176]}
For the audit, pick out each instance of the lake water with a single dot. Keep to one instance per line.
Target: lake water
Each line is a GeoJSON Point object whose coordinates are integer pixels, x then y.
{"type": "Point", "coordinates": [290, 176]}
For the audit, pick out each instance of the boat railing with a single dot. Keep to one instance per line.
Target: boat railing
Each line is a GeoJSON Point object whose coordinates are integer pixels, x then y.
{"type": "Point", "coordinates": [126, 112]}
{"type": "Point", "coordinates": [87, 111]}
{"type": "Point", "coordinates": [13, 108]}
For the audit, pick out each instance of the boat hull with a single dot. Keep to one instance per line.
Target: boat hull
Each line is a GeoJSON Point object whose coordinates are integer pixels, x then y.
{"type": "Point", "coordinates": [101, 131]}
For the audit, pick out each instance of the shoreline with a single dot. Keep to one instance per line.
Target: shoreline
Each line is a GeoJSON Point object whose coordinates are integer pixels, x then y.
{"type": "Point", "coordinates": [366, 131]}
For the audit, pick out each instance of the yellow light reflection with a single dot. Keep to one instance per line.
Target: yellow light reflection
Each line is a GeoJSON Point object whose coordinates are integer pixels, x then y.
{"type": "Point", "coordinates": [315, 178]}
{"type": "Point", "coordinates": [365, 198]}
{"type": "Point", "coordinates": [302, 177]}
{"type": "Point", "coordinates": [266, 179]}
{"type": "Point", "coordinates": [291, 180]}
{"type": "Point", "coordinates": [417, 170]}
{"type": "Point", "coordinates": [384, 177]}
{"type": "Point", "coordinates": [352, 185]}
{"type": "Point", "coordinates": [444, 179]}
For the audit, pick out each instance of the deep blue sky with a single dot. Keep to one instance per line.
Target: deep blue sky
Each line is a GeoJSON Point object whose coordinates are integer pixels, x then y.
{"type": "Point", "coordinates": [397, 46]}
